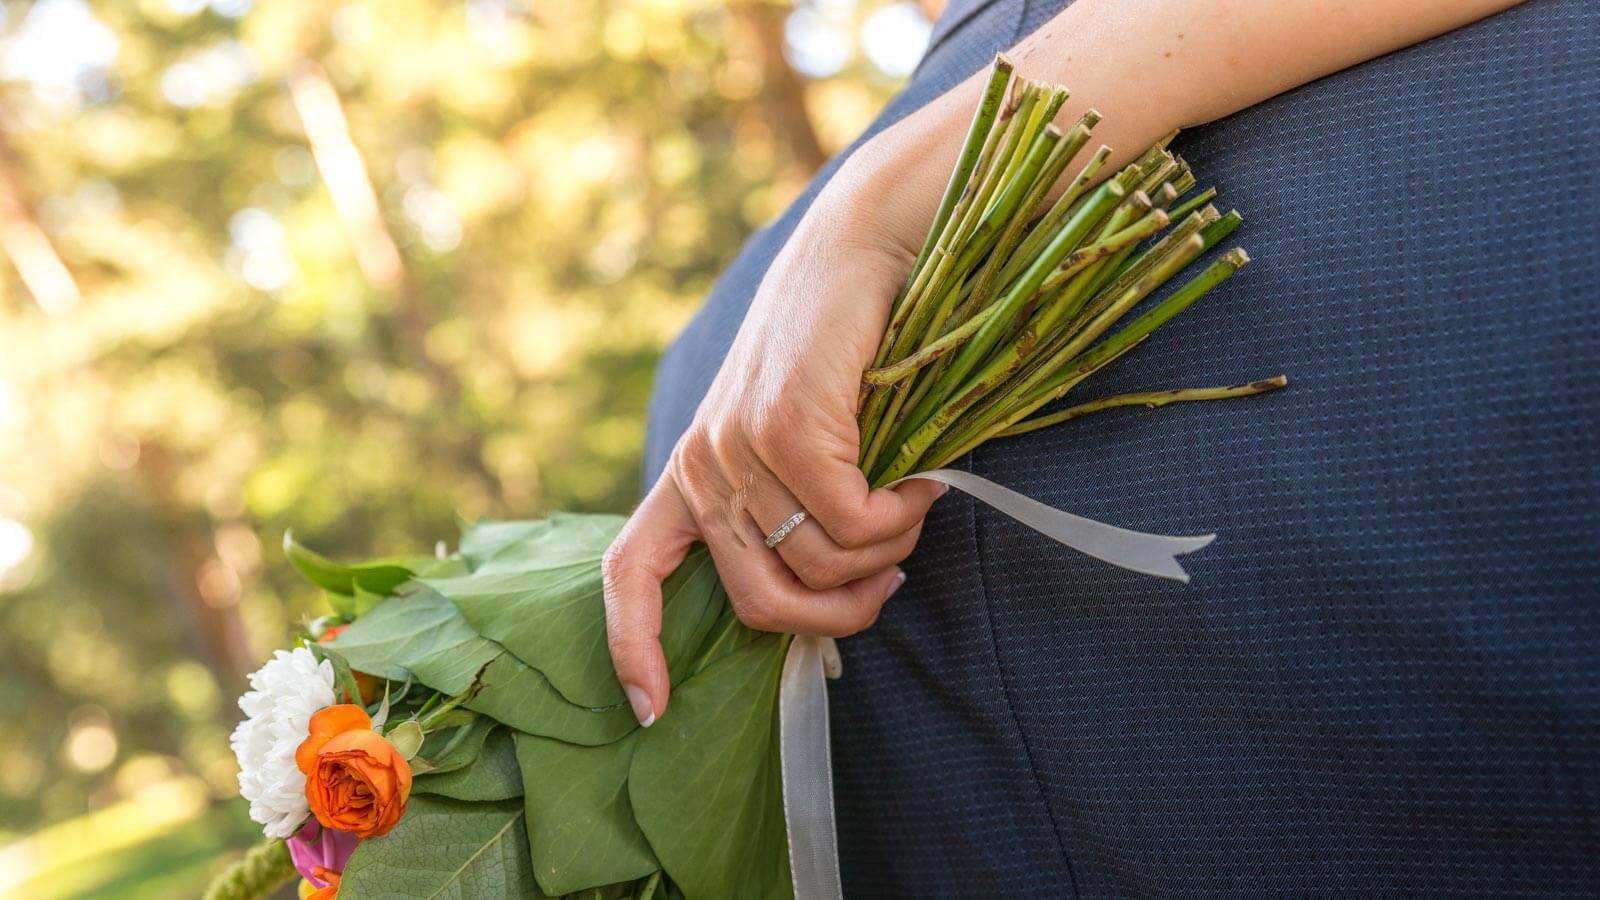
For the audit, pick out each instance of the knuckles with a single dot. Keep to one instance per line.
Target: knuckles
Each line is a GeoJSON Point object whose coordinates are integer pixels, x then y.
{"type": "Point", "coordinates": [821, 574]}
{"type": "Point", "coordinates": [853, 532]}
{"type": "Point", "coordinates": [755, 614]}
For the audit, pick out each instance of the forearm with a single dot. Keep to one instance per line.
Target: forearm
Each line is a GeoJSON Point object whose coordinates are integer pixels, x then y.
{"type": "Point", "coordinates": [1148, 66]}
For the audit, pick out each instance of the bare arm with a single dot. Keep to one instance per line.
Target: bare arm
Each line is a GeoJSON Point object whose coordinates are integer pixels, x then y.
{"type": "Point", "coordinates": [1149, 66]}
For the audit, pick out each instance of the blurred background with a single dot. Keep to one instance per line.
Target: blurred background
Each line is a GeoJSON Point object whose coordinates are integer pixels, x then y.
{"type": "Point", "coordinates": [355, 268]}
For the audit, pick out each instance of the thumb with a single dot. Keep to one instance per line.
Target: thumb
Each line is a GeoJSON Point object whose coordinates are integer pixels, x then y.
{"type": "Point", "coordinates": [650, 546]}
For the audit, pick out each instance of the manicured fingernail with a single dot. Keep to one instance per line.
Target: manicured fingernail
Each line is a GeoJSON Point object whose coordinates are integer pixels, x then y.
{"type": "Point", "coordinates": [899, 579]}
{"type": "Point", "coordinates": [643, 709]}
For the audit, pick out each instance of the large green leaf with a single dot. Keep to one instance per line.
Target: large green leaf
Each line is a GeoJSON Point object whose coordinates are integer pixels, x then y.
{"type": "Point", "coordinates": [580, 822]}
{"type": "Point", "coordinates": [376, 577]}
{"type": "Point", "coordinates": [552, 618]}
{"type": "Point", "coordinates": [562, 538]}
{"type": "Point", "coordinates": [727, 635]}
{"type": "Point", "coordinates": [419, 633]}
{"type": "Point", "coordinates": [494, 775]}
{"type": "Point", "coordinates": [522, 697]}
{"type": "Point", "coordinates": [481, 540]}
{"type": "Point", "coordinates": [693, 602]}
{"type": "Point", "coordinates": [543, 601]}
{"type": "Point", "coordinates": [535, 588]}
{"type": "Point", "coordinates": [705, 781]}
{"type": "Point", "coordinates": [446, 850]}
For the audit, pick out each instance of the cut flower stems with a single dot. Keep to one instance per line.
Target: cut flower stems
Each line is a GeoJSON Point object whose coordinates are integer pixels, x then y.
{"type": "Point", "coordinates": [1012, 301]}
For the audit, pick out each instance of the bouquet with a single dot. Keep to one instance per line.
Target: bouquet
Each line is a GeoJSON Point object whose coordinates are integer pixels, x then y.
{"type": "Point", "coordinates": [455, 729]}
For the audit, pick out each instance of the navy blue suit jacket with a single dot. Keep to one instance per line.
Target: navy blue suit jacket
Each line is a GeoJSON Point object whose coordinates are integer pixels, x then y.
{"type": "Point", "coordinates": [1385, 677]}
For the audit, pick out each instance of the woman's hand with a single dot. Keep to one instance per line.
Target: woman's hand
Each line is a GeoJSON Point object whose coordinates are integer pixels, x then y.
{"type": "Point", "coordinates": [775, 435]}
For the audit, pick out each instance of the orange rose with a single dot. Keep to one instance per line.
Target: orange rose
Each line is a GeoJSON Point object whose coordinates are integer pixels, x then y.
{"type": "Point", "coordinates": [355, 780]}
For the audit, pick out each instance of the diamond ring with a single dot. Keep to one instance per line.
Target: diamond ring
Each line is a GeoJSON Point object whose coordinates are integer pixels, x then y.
{"type": "Point", "coordinates": [782, 531]}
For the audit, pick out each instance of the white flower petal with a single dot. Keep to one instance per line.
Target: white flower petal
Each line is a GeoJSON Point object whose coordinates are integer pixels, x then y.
{"type": "Point", "coordinates": [283, 695]}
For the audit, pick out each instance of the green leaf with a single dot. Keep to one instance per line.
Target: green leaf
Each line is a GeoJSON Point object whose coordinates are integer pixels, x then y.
{"type": "Point", "coordinates": [510, 545]}
{"type": "Point", "coordinates": [435, 567]}
{"type": "Point", "coordinates": [448, 749]}
{"type": "Point", "coordinates": [522, 698]}
{"type": "Point", "coordinates": [543, 601]}
{"type": "Point", "coordinates": [446, 849]}
{"type": "Point", "coordinates": [551, 618]}
{"type": "Point", "coordinates": [580, 821]}
{"type": "Point", "coordinates": [706, 784]}
{"type": "Point", "coordinates": [419, 633]}
{"type": "Point", "coordinates": [480, 541]}
{"type": "Point", "coordinates": [728, 635]}
{"type": "Point", "coordinates": [376, 577]}
{"type": "Point", "coordinates": [693, 602]}
{"type": "Point", "coordinates": [492, 776]}
{"type": "Point", "coordinates": [363, 602]}
{"type": "Point", "coordinates": [344, 680]}
{"type": "Point", "coordinates": [539, 596]}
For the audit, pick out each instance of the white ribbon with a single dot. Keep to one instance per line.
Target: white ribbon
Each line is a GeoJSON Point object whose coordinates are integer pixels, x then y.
{"type": "Point", "coordinates": [803, 694]}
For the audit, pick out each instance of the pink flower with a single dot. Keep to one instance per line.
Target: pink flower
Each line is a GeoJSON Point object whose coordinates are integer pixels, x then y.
{"type": "Point", "coordinates": [315, 847]}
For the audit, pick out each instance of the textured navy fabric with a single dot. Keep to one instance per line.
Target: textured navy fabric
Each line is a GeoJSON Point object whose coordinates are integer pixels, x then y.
{"type": "Point", "coordinates": [1385, 677]}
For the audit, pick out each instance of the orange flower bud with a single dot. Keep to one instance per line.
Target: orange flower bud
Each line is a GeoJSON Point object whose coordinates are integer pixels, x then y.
{"type": "Point", "coordinates": [330, 891]}
{"type": "Point", "coordinates": [371, 687]}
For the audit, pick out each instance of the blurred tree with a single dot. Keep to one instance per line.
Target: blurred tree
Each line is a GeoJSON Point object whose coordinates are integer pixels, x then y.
{"type": "Point", "coordinates": [355, 268]}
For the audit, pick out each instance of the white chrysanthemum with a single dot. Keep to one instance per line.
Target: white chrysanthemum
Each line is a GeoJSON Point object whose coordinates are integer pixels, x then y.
{"type": "Point", "coordinates": [284, 693]}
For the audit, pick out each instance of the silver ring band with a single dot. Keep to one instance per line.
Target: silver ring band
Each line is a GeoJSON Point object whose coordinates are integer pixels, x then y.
{"type": "Point", "coordinates": [782, 531]}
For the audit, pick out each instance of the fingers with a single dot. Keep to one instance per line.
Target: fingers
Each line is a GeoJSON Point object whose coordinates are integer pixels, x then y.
{"type": "Point", "coordinates": [650, 546]}
{"type": "Point", "coordinates": [768, 597]}
{"type": "Point", "coordinates": [809, 552]}
{"type": "Point", "coordinates": [835, 493]}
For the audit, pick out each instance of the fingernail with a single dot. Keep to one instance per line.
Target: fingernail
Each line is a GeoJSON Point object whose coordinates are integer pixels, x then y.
{"type": "Point", "coordinates": [943, 489]}
{"type": "Point", "coordinates": [643, 709]}
{"type": "Point", "coordinates": [899, 579]}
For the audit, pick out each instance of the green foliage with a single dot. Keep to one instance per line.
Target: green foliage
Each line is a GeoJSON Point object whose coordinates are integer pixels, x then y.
{"type": "Point", "coordinates": [514, 693]}
{"type": "Point", "coordinates": [449, 850]}
{"type": "Point", "coordinates": [606, 804]}
{"type": "Point", "coordinates": [263, 870]}
{"type": "Point", "coordinates": [448, 749]}
{"type": "Point", "coordinates": [422, 629]}
{"type": "Point", "coordinates": [491, 775]}
{"type": "Point", "coordinates": [377, 579]}
{"type": "Point", "coordinates": [706, 784]}
{"type": "Point", "coordinates": [541, 600]}
{"type": "Point", "coordinates": [581, 826]}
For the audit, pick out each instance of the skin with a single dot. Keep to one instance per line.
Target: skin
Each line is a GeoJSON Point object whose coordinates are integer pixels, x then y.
{"type": "Point", "coordinates": [776, 432]}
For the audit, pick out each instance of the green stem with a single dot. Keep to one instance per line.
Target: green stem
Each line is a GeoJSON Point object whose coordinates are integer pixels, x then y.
{"type": "Point", "coordinates": [1069, 365]}
{"type": "Point", "coordinates": [1151, 399]}
{"type": "Point", "coordinates": [1061, 209]}
{"type": "Point", "coordinates": [1178, 301]}
{"type": "Point", "coordinates": [982, 121]}
{"type": "Point", "coordinates": [1170, 243]}
{"type": "Point", "coordinates": [1193, 203]}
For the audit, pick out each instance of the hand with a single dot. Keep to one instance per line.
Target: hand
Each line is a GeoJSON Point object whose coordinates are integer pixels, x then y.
{"type": "Point", "coordinates": [776, 434]}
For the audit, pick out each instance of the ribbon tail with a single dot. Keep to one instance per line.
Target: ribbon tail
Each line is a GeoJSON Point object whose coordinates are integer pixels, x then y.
{"type": "Point", "coordinates": [1149, 554]}
{"type": "Point", "coordinates": [804, 753]}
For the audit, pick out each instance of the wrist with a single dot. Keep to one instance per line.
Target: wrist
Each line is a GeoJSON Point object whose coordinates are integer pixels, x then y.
{"type": "Point", "coordinates": [889, 188]}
